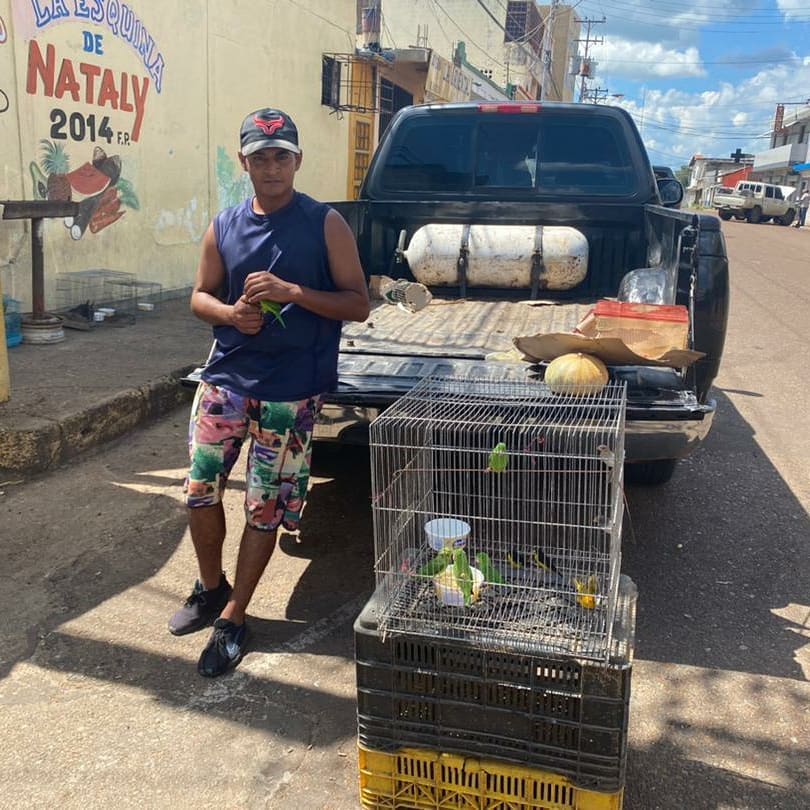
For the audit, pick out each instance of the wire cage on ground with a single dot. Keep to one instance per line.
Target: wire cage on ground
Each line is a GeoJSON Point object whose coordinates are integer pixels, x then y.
{"type": "Point", "coordinates": [82, 286]}
{"type": "Point", "coordinates": [497, 509]}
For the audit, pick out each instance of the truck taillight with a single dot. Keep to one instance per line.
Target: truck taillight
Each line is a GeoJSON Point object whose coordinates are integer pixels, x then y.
{"type": "Point", "coordinates": [509, 108]}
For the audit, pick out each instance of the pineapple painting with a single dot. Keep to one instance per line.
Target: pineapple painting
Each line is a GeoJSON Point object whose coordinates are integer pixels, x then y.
{"type": "Point", "coordinates": [56, 164]}
{"type": "Point", "coordinates": [50, 176]}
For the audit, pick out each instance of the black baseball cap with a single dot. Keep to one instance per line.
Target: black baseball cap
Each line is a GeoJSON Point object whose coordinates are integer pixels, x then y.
{"type": "Point", "coordinates": [268, 128]}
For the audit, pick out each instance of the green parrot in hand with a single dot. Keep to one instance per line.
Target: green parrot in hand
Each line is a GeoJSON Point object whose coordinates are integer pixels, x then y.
{"type": "Point", "coordinates": [274, 308]}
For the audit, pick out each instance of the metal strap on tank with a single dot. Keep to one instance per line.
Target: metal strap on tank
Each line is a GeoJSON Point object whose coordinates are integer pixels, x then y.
{"type": "Point", "coordinates": [537, 261]}
{"type": "Point", "coordinates": [461, 264]}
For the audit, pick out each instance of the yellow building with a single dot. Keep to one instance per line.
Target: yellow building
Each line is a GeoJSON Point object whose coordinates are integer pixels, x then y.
{"type": "Point", "coordinates": [564, 29]}
{"type": "Point", "coordinates": [133, 111]}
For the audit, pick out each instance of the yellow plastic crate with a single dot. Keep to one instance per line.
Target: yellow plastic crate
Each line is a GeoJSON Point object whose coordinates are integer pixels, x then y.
{"type": "Point", "coordinates": [414, 779]}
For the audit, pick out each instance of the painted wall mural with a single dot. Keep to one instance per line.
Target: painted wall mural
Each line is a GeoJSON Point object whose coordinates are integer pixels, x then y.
{"type": "Point", "coordinates": [95, 105]}
{"type": "Point", "coordinates": [233, 184]}
{"type": "Point", "coordinates": [96, 185]}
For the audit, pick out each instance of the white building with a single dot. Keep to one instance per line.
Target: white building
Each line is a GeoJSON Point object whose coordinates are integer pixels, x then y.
{"type": "Point", "coordinates": [785, 163]}
{"type": "Point", "coordinates": [706, 173]}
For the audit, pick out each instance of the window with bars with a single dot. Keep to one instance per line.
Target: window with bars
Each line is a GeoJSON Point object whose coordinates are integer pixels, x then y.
{"type": "Point", "coordinates": [517, 14]}
{"type": "Point", "coordinates": [523, 24]}
{"type": "Point", "coordinates": [348, 83]}
{"type": "Point", "coordinates": [330, 81]}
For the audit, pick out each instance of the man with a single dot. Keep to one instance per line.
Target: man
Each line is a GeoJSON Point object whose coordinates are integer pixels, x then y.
{"type": "Point", "coordinates": [264, 381]}
{"type": "Point", "coordinates": [804, 203]}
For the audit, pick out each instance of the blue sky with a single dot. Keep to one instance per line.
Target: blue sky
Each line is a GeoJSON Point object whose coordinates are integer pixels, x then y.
{"type": "Point", "coordinates": [701, 77]}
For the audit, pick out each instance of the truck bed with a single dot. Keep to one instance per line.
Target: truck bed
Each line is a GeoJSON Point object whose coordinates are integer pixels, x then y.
{"type": "Point", "coordinates": [458, 328]}
{"type": "Point", "coordinates": [386, 355]}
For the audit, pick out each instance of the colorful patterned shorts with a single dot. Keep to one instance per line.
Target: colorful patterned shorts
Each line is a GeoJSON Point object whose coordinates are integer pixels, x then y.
{"type": "Point", "coordinates": [279, 453]}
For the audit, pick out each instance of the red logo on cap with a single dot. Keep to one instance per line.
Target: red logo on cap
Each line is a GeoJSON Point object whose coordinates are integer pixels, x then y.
{"type": "Point", "coordinates": [269, 126]}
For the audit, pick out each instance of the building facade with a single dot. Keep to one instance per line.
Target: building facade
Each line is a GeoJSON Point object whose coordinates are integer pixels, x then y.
{"type": "Point", "coordinates": [707, 173]}
{"type": "Point", "coordinates": [786, 162]}
{"type": "Point", "coordinates": [503, 40]}
{"type": "Point", "coordinates": [564, 31]}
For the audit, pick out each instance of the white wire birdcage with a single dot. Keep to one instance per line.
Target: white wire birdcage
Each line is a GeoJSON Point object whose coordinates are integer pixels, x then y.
{"type": "Point", "coordinates": [528, 478]}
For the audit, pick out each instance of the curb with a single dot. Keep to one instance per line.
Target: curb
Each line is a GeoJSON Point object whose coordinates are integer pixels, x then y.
{"type": "Point", "coordinates": [50, 442]}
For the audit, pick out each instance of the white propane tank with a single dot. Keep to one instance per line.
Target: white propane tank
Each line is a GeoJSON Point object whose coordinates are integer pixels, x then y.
{"type": "Point", "coordinates": [498, 255]}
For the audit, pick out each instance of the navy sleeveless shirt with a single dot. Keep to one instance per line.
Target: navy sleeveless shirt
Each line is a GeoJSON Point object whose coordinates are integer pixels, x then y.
{"type": "Point", "coordinates": [280, 363]}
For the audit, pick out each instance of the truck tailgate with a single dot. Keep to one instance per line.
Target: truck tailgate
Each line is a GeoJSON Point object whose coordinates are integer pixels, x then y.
{"type": "Point", "coordinates": [456, 328]}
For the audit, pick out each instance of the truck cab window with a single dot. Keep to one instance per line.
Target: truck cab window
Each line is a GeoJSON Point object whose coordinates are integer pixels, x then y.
{"type": "Point", "coordinates": [532, 154]}
{"type": "Point", "coordinates": [434, 156]}
{"type": "Point", "coordinates": [505, 154]}
{"type": "Point", "coordinates": [583, 158]}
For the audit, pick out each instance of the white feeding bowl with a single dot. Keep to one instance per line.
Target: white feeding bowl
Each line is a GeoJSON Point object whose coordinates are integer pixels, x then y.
{"type": "Point", "coordinates": [447, 533]}
{"type": "Point", "coordinates": [447, 590]}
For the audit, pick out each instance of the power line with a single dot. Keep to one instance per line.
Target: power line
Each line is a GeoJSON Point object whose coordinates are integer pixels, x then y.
{"type": "Point", "coordinates": [468, 38]}
{"type": "Point", "coordinates": [677, 9]}
{"type": "Point", "coordinates": [683, 63]}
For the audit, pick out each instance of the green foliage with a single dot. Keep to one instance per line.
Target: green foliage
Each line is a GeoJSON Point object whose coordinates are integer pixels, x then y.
{"type": "Point", "coordinates": [126, 193]}
{"type": "Point", "coordinates": [54, 159]}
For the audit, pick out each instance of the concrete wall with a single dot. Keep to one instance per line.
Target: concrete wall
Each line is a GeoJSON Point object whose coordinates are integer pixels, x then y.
{"type": "Point", "coordinates": [133, 109]}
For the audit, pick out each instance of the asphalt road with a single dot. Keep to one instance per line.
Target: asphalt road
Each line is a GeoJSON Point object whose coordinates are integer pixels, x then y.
{"type": "Point", "coordinates": [101, 707]}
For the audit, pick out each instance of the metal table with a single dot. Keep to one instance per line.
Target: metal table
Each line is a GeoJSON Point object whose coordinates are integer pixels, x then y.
{"type": "Point", "coordinates": [37, 211]}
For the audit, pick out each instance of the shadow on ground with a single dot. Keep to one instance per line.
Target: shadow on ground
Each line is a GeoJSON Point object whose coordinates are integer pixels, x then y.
{"type": "Point", "coordinates": [662, 777]}
{"type": "Point", "coordinates": [717, 554]}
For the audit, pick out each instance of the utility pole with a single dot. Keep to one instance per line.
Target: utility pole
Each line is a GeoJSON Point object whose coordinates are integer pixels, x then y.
{"type": "Point", "coordinates": [583, 93]}
{"type": "Point", "coordinates": [597, 94]}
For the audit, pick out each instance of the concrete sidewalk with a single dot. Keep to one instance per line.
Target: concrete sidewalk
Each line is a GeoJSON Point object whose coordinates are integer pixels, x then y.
{"type": "Point", "coordinates": [96, 385]}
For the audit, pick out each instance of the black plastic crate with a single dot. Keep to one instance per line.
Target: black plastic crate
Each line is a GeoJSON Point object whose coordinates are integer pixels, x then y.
{"type": "Point", "coordinates": [560, 714]}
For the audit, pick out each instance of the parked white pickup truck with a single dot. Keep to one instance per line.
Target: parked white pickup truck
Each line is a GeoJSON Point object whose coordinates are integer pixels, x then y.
{"type": "Point", "coordinates": [757, 202]}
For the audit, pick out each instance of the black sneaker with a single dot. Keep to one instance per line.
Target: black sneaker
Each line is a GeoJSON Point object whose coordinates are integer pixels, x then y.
{"type": "Point", "coordinates": [201, 608]}
{"type": "Point", "coordinates": [224, 650]}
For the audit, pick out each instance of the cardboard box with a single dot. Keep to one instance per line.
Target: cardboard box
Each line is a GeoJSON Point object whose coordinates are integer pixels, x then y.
{"type": "Point", "coordinates": [621, 333]}
{"type": "Point", "coordinates": [611, 351]}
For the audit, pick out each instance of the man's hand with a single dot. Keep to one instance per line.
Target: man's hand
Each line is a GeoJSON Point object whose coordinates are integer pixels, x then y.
{"type": "Point", "coordinates": [247, 318]}
{"type": "Point", "coordinates": [266, 286]}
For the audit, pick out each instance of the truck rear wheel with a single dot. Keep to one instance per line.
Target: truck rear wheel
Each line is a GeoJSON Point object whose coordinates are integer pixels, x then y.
{"type": "Point", "coordinates": [649, 473]}
{"type": "Point", "coordinates": [724, 215]}
{"type": "Point", "coordinates": [755, 214]}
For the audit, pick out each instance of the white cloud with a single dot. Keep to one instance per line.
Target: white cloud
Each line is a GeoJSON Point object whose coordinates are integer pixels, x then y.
{"type": "Point", "coordinates": [793, 8]}
{"type": "Point", "coordinates": [714, 121]}
{"type": "Point", "coordinates": [642, 60]}
{"type": "Point", "coordinates": [701, 96]}
{"type": "Point", "coordinates": [672, 23]}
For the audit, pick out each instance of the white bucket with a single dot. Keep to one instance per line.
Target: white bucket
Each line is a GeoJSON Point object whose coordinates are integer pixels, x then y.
{"type": "Point", "coordinates": [447, 532]}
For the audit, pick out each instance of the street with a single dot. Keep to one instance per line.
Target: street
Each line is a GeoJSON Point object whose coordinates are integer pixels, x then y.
{"type": "Point", "coordinates": [101, 707]}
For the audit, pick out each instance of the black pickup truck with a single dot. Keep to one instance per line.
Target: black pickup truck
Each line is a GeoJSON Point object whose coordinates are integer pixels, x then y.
{"type": "Point", "coordinates": [472, 200]}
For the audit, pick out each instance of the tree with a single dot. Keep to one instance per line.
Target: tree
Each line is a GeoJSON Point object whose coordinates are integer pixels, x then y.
{"type": "Point", "coordinates": [683, 174]}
